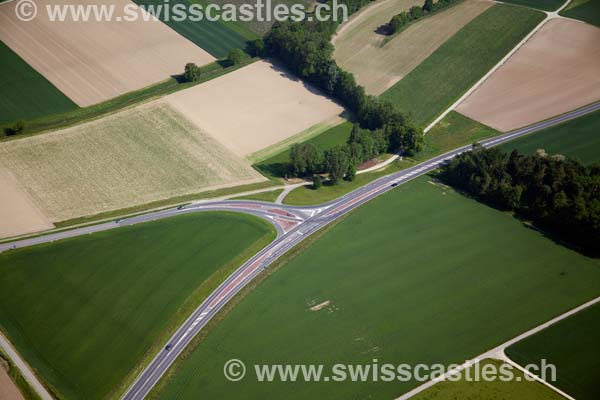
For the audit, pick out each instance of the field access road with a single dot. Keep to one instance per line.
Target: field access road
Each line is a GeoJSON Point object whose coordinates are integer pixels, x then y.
{"type": "Point", "coordinates": [293, 224]}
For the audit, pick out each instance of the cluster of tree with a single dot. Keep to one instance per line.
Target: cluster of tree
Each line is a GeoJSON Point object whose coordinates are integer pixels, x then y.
{"type": "Point", "coordinates": [561, 195]}
{"type": "Point", "coordinates": [341, 161]}
{"type": "Point", "coordinates": [16, 129]}
{"type": "Point", "coordinates": [404, 18]}
{"type": "Point", "coordinates": [305, 48]}
{"type": "Point", "coordinates": [193, 73]}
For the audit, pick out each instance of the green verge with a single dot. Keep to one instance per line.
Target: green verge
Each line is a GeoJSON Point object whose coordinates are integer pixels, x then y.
{"type": "Point", "coordinates": [572, 346]}
{"type": "Point", "coordinates": [276, 165]}
{"type": "Point", "coordinates": [584, 10]}
{"type": "Point", "coordinates": [269, 196]}
{"type": "Point", "coordinates": [455, 130]}
{"type": "Point", "coordinates": [111, 299]}
{"type": "Point", "coordinates": [415, 276]}
{"type": "Point", "coordinates": [215, 37]}
{"type": "Point", "coordinates": [577, 138]}
{"type": "Point", "coordinates": [461, 61]}
{"type": "Point", "coordinates": [19, 380]}
{"type": "Point", "coordinates": [545, 5]}
{"type": "Point", "coordinates": [483, 390]}
{"type": "Point", "coordinates": [56, 121]}
{"type": "Point", "coordinates": [25, 93]}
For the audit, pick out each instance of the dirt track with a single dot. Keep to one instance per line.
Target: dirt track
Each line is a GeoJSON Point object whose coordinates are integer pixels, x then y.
{"type": "Point", "coordinates": [358, 48]}
{"type": "Point", "coordinates": [94, 61]}
{"type": "Point", "coordinates": [254, 107]}
{"type": "Point", "coordinates": [556, 71]}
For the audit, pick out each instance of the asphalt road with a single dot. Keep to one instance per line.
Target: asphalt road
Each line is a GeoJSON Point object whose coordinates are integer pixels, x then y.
{"type": "Point", "coordinates": [293, 224]}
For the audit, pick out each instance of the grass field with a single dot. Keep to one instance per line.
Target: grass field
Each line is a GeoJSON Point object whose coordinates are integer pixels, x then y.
{"type": "Point", "coordinates": [215, 37]}
{"type": "Point", "coordinates": [379, 61]}
{"type": "Point", "coordinates": [419, 275]}
{"type": "Point", "coordinates": [276, 165]}
{"type": "Point", "coordinates": [112, 297]}
{"type": "Point", "coordinates": [25, 93]}
{"type": "Point", "coordinates": [461, 61]}
{"type": "Point", "coordinates": [584, 10]}
{"type": "Point", "coordinates": [578, 138]}
{"type": "Point", "coordinates": [497, 390]}
{"type": "Point", "coordinates": [133, 157]}
{"type": "Point", "coordinates": [270, 196]}
{"type": "Point", "coordinates": [453, 131]}
{"type": "Point", "coordinates": [572, 345]}
{"type": "Point", "coordinates": [546, 5]}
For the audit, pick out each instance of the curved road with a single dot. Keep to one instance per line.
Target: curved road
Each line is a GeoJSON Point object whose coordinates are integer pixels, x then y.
{"type": "Point", "coordinates": [293, 224]}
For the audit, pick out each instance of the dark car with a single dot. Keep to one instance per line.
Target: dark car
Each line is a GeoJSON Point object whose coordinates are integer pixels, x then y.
{"type": "Point", "coordinates": [180, 207]}
{"type": "Point", "coordinates": [394, 184]}
{"type": "Point", "coordinates": [169, 347]}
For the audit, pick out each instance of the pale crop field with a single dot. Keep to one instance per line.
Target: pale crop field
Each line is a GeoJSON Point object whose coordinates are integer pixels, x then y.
{"type": "Point", "coordinates": [97, 60]}
{"type": "Point", "coordinates": [556, 71]}
{"type": "Point", "coordinates": [254, 107]}
{"type": "Point", "coordinates": [134, 157]}
{"type": "Point", "coordinates": [379, 62]}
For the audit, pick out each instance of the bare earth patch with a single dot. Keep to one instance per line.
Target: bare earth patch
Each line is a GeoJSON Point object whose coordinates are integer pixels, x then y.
{"type": "Point", "coordinates": [134, 157]}
{"type": "Point", "coordinates": [378, 66]}
{"type": "Point", "coordinates": [8, 389]}
{"type": "Point", "coordinates": [254, 107]}
{"type": "Point", "coordinates": [18, 214]}
{"type": "Point", "coordinates": [320, 306]}
{"type": "Point", "coordinates": [95, 61]}
{"type": "Point", "coordinates": [556, 71]}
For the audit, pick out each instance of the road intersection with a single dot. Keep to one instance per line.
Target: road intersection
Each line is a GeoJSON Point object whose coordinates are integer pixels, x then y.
{"type": "Point", "coordinates": [293, 224]}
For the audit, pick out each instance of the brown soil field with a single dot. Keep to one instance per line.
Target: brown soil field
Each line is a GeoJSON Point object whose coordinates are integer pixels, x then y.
{"type": "Point", "coordinates": [254, 107]}
{"type": "Point", "coordinates": [18, 214]}
{"type": "Point", "coordinates": [8, 389]}
{"type": "Point", "coordinates": [377, 64]}
{"type": "Point", "coordinates": [94, 61]}
{"type": "Point", "coordinates": [556, 71]}
{"type": "Point", "coordinates": [130, 158]}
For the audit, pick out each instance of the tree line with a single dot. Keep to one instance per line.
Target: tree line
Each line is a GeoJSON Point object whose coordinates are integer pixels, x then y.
{"type": "Point", "coordinates": [560, 195]}
{"type": "Point", "coordinates": [399, 21]}
{"type": "Point", "coordinates": [339, 162]}
{"type": "Point", "coordinates": [305, 48]}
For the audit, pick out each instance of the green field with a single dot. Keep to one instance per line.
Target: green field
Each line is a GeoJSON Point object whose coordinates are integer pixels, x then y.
{"type": "Point", "coordinates": [270, 196]}
{"type": "Point", "coordinates": [276, 165]}
{"type": "Point", "coordinates": [584, 10]}
{"type": "Point", "coordinates": [579, 138]}
{"type": "Point", "coordinates": [572, 345]}
{"type": "Point", "coordinates": [26, 94]}
{"type": "Point", "coordinates": [546, 5]}
{"type": "Point", "coordinates": [84, 312]}
{"type": "Point", "coordinates": [421, 274]}
{"type": "Point", "coordinates": [498, 390]}
{"type": "Point", "coordinates": [215, 37]}
{"type": "Point", "coordinates": [461, 61]}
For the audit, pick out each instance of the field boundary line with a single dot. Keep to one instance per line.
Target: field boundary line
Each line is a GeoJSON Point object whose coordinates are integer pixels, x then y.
{"type": "Point", "coordinates": [493, 70]}
{"type": "Point", "coordinates": [502, 355]}
{"type": "Point", "coordinates": [24, 368]}
{"type": "Point", "coordinates": [499, 350]}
